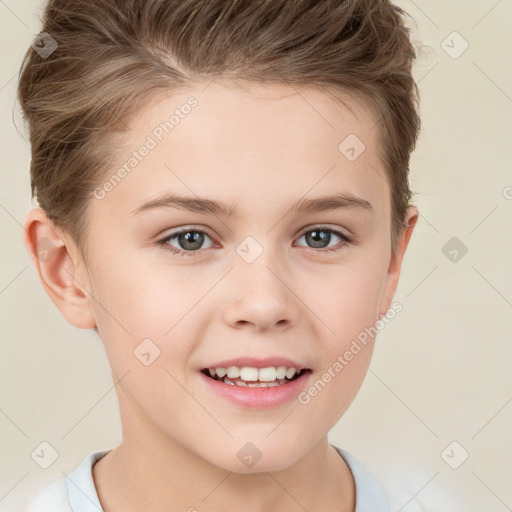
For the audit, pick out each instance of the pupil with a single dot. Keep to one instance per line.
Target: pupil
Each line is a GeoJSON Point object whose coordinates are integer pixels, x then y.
{"type": "Point", "coordinates": [196, 238]}
{"type": "Point", "coordinates": [318, 237]}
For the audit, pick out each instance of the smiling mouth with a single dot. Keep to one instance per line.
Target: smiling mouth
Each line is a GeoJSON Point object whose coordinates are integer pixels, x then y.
{"type": "Point", "coordinates": [238, 381]}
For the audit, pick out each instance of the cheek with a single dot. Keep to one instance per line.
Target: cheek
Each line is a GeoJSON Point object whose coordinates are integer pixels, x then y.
{"type": "Point", "coordinates": [145, 300]}
{"type": "Point", "coordinates": [145, 312]}
{"type": "Point", "coordinates": [336, 383]}
{"type": "Point", "coordinates": [348, 301]}
{"type": "Point", "coordinates": [349, 307]}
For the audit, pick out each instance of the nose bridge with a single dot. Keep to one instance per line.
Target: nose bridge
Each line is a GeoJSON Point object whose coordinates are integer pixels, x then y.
{"type": "Point", "coordinates": [260, 295]}
{"type": "Point", "coordinates": [258, 265]}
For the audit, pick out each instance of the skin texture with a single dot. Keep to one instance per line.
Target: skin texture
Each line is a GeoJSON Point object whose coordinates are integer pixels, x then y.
{"type": "Point", "coordinates": [261, 149]}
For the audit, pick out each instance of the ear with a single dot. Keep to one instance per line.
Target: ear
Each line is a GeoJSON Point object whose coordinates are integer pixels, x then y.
{"type": "Point", "coordinates": [61, 268]}
{"type": "Point", "coordinates": [395, 264]}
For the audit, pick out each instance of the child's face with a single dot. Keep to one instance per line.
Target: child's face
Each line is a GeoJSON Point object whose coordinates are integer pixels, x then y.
{"type": "Point", "coordinates": [261, 153]}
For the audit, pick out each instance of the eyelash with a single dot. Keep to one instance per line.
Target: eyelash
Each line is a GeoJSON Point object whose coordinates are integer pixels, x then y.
{"type": "Point", "coordinates": [163, 242]}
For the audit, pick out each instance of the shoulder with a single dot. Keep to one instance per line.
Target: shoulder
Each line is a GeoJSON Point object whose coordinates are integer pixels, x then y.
{"type": "Point", "coordinates": [52, 498]}
{"type": "Point", "coordinates": [370, 496]}
{"type": "Point", "coordinates": [73, 493]}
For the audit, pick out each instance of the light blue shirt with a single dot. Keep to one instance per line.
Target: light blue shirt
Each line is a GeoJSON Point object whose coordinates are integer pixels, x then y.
{"type": "Point", "coordinates": [77, 493]}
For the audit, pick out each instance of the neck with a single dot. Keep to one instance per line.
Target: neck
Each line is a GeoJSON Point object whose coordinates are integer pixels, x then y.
{"type": "Point", "coordinates": [150, 471]}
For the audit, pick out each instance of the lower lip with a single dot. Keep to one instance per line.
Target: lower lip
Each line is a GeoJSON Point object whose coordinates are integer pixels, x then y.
{"type": "Point", "coordinates": [258, 398]}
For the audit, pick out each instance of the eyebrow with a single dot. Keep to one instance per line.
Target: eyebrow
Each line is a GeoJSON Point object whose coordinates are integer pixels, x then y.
{"type": "Point", "coordinates": [203, 205]}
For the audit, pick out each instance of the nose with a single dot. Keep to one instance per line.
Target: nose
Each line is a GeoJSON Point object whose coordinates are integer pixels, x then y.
{"type": "Point", "coordinates": [262, 297]}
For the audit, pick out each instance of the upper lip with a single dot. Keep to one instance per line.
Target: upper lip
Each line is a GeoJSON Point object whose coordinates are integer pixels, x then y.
{"type": "Point", "coordinates": [258, 363]}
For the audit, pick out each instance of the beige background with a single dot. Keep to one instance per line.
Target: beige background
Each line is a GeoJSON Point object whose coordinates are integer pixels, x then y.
{"type": "Point", "coordinates": [441, 370]}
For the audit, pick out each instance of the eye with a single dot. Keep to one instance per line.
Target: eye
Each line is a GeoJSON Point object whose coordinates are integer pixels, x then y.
{"type": "Point", "coordinates": [319, 236]}
{"type": "Point", "coordinates": [188, 240]}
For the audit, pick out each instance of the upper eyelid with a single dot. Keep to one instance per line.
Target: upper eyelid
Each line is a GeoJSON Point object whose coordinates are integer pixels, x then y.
{"type": "Point", "coordinates": [186, 229]}
{"type": "Point", "coordinates": [208, 231]}
{"type": "Point", "coordinates": [323, 226]}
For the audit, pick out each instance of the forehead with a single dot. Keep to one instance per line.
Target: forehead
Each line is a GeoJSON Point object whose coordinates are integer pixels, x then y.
{"type": "Point", "coordinates": [284, 108]}
{"type": "Point", "coordinates": [243, 142]}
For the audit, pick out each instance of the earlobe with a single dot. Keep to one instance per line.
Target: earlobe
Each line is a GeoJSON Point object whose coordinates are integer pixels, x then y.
{"type": "Point", "coordinates": [60, 269]}
{"type": "Point", "coordinates": [395, 264]}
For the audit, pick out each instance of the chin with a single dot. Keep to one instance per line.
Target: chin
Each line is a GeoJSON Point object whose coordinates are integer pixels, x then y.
{"type": "Point", "coordinates": [253, 457]}
{"type": "Point", "coordinates": [265, 464]}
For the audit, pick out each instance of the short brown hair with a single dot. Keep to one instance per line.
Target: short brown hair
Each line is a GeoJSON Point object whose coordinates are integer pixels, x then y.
{"type": "Point", "coordinates": [113, 55]}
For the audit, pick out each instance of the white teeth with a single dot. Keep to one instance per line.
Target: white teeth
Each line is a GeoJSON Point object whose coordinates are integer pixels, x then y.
{"type": "Point", "coordinates": [241, 383]}
{"type": "Point", "coordinates": [221, 372]}
{"type": "Point", "coordinates": [267, 374]}
{"type": "Point", "coordinates": [260, 384]}
{"type": "Point", "coordinates": [249, 374]}
{"type": "Point", "coordinates": [281, 372]}
{"type": "Point", "coordinates": [233, 372]}
{"type": "Point", "coordinates": [252, 375]}
{"type": "Point", "coordinates": [290, 373]}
